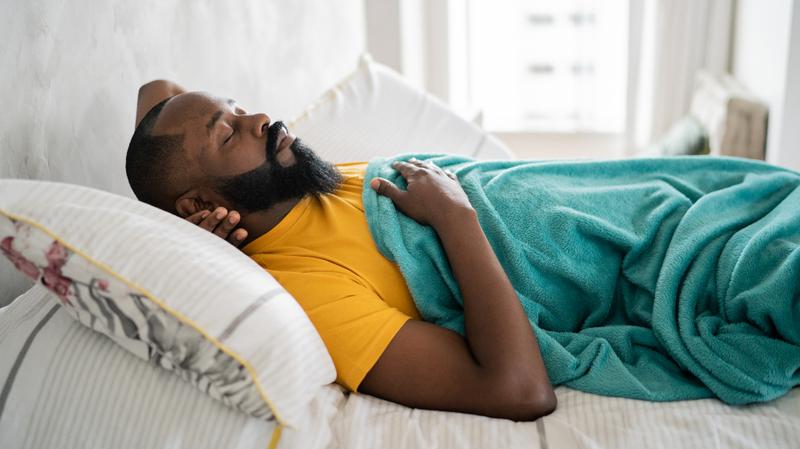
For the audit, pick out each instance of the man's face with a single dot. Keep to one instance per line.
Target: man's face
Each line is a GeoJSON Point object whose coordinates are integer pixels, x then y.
{"type": "Point", "coordinates": [251, 161]}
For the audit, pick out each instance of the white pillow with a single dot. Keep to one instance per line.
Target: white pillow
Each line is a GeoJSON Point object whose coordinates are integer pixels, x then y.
{"type": "Point", "coordinates": [376, 112]}
{"type": "Point", "coordinates": [63, 386]}
{"type": "Point", "coordinates": [169, 293]}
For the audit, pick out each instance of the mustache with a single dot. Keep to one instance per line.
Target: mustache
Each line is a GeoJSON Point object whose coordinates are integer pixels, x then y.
{"type": "Point", "coordinates": [272, 139]}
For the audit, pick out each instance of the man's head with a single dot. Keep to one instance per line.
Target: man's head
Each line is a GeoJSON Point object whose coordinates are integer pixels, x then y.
{"type": "Point", "coordinates": [195, 151]}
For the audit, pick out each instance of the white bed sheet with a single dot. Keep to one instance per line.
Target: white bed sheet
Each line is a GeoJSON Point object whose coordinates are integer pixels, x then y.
{"type": "Point", "coordinates": [65, 386]}
{"type": "Point", "coordinates": [582, 420]}
{"type": "Point", "coordinates": [137, 405]}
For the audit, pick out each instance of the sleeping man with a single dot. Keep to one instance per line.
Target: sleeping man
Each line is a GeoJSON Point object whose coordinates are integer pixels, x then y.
{"type": "Point", "coordinates": [441, 282]}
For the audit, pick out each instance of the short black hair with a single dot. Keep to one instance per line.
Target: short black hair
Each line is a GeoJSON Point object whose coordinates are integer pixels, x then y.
{"type": "Point", "coordinates": [150, 160]}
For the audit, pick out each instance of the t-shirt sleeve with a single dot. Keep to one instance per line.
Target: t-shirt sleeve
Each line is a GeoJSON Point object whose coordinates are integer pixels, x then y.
{"type": "Point", "coordinates": [355, 324]}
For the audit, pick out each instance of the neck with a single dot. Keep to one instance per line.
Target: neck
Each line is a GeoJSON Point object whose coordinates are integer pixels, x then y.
{"type": "Point", "coordinates": [259, 223]}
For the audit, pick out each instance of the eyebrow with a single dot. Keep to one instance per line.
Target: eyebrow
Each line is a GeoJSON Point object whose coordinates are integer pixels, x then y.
{"type": "Point", "coordinates": [216, 116]}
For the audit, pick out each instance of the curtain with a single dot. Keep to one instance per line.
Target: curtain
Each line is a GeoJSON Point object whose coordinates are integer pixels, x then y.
{"type": "Point", "coordinates": [670, 40]}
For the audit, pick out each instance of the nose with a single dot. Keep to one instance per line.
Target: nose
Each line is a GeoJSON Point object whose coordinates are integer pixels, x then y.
{"type": "Point", "coordinates": [259, 122]}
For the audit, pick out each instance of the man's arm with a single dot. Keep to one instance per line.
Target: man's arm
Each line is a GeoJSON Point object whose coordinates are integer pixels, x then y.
{"type": "Point", "coordinates": [152, 93]}
{"type": "Point", "coordinates": [497, 370]}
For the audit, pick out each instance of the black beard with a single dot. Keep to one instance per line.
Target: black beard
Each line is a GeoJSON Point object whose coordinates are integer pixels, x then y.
{"type": "Point", "coordinates": [268, 184]}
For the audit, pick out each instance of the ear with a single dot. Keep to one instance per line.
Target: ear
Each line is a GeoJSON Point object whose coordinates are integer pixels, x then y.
{"type": "Point", "coordinates": [197, 199]}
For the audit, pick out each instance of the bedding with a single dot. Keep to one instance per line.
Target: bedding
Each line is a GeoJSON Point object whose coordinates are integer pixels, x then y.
{"type": "Point", "coordinates": [42, 407]}
{"type": "Point", "coordinates": [65, 386]}
{"type": "Point", "coordinates": [658, 279]}
{"type": "Point", "coordinates": [168, 292]}
{"type": "Point", "coordinates": [685, 137]}
{"type": "Point", "coordinates": [581, 421]}
{"type": "Point", "coordinates": [375, 112]}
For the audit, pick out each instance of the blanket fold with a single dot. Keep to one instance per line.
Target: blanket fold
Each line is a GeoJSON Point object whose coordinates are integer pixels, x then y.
{"type": "Point", "coordinates": [658, 279]}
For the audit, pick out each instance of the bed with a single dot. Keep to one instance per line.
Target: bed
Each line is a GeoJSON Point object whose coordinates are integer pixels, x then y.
{"type": "Point", "coordinates": [164, 412]}
{"type": "Point", "coordinates": [65, 385]}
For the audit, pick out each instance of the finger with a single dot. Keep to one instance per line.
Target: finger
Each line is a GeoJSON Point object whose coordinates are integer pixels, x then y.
{"type": "Point", "coordinates": [431, 166]}
{"type": "Point", "coordinates": [237, 237]}
{"type": "Point", "coordinates": [438, 169]}
{"type": "Point", "coordinates": [406, 169]}
{"type": "Point", "coordinates": [387, 189]}
{"type": "Point", "coordinates": [213, 219]}
{"type": "Point", "coordinates": [198, 216]}
{"type": "Point", "coordinates": [427, 165]}
{"type": "Point", "coordinates": [422, 164]}
{"type": "Point", "coordinates": [227, 225]}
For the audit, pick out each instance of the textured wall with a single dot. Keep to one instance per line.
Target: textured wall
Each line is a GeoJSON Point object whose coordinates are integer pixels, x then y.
{"type": "Point", "coordinates": [71, 69]}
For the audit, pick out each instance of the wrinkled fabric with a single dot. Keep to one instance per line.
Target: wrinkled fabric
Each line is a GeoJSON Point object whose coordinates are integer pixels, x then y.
{"type": "Point", "coordinates": [657, 279]}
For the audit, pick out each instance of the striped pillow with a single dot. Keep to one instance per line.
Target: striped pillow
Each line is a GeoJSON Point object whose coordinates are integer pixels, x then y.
{"type": "Point", "coordinates": [168, 292]}
{"type": "Point", "coordinates": [53, 396]}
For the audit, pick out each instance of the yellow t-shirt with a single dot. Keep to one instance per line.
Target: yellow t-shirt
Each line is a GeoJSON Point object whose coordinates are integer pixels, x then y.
{"type": "Point", "coordinates": [323, 254]}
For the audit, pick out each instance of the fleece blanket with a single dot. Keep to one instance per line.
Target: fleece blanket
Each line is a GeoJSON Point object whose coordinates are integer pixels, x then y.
{"type": "Point", "coordinates": [657, 279]}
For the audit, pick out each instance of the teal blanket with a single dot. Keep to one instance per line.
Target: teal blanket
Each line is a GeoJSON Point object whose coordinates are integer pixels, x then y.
{"type": "Point", "coordinates": [659, 279]}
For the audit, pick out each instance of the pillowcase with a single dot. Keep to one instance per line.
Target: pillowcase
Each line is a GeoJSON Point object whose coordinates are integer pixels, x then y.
{"type": "Point", "coordinates": [685, 137]}
{"type": "Point", "coordinates": [168, 292]}
{"type": "Point", "coordinates": [376, 112]}
{"type": "Point", "coordinates": [64, 386]}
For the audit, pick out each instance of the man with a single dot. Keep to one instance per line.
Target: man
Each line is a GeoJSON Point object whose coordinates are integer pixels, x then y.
{"type": "Point", "coordinates": [248, 180]}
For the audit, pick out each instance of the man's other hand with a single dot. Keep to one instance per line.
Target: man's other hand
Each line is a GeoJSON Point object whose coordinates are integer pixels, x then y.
{"type": "Point", "coordinates": [220, 222]}
{"type": "Point", "coordinates": [432, 195]}
{"type": "Point", "coordinates": [152, 93]}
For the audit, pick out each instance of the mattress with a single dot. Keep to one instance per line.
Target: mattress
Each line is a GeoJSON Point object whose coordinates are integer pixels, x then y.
{"type": "Point", "coordinates": [581, 420]}
{"type": "Point", "coordinates": [55, 395]}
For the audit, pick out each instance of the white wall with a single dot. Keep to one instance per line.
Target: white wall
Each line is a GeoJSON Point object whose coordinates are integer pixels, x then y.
{"type": "Point", "coordinates": [789, 134]}
{"type": "Point", "coordinates": [766, 59]}
{"type": "Point", "coordinates": [71, 70]}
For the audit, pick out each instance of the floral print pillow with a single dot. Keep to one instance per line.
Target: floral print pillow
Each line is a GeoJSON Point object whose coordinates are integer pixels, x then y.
{"type": "Point", "coordinates": [50, 275]}
{"type": "Point", "coordinates": [104, 303]}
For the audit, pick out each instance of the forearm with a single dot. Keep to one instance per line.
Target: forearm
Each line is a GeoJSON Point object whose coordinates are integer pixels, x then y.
{"type": "Point", "coordinates": [497, 329]}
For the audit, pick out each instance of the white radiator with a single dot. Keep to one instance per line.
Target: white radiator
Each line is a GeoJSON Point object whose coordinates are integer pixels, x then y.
{"type": "Point", "coordinates": [735, 119]}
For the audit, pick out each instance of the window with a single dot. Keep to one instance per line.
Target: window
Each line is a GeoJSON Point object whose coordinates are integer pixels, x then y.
{"type": "Point", "coordinates": [549, 66]}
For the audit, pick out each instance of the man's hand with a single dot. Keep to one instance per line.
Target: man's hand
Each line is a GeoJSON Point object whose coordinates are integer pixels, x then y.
{"type": "Point", "coordinates": [220, 222]}
{"type": "Point", "coordinates": [431, 193]}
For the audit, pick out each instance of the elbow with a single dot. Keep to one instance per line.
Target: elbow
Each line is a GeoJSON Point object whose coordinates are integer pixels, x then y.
{"type": "Point", "coordinates": [156, 83]}
{"type": "Point", "coordinates": [538, 405]}
{"type": "Point", "coordinates": [151, 85]}
{"type": "Point", "coordinates": [532, 403]}
{"type": "Point", "coordinates": [161, 87]}
{"type": "Point", "coordinates": [547, 404]}
{"type": "Point", "coordinates": [521, 397]}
